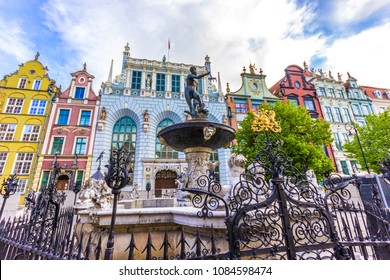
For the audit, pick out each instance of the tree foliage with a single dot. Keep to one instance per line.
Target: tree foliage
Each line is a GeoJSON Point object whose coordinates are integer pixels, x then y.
{"type": "Point", "coordinates": [375, 140]}
{"type": "Point", "coordinates": [303, 137]}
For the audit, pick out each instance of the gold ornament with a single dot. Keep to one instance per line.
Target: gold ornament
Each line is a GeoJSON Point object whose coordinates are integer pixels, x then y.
{"type": "Point", "coordinates": [265, 120]}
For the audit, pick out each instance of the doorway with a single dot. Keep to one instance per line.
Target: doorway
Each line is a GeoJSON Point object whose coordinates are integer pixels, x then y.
{"type": "Point", "coordinates": [63, 183]}
{"type": "Point", "coordinates": [165, 180]}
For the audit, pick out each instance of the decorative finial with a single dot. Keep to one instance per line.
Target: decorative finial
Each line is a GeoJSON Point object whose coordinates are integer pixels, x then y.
{"type": "Point", "coordinates": [207, 59]}
{"type": "Point", "coordinates": [261, 71]}
{"type": "Point", "coordinates": [252, 68]}
{"type": "Point", "coordinates": [305, 66]}
{"type": "Point", "coordinates": [127, 47]}
{"type": "Point", "coordinates": [85, 66]}
{"type": "Point", "coordinates": [227, 88]}
{"type": "Point", "coordinates": [339, 77]}
{"type": "Point", "coordinates": [265, 120]}
{"type": "Point", "coordinates": [37, 56]}
{"type": "Point", "coordinates": [244, 69]}
{"type": "Point", "coordinates": [349, 75]}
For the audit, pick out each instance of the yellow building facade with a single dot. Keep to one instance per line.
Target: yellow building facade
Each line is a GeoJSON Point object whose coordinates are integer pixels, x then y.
{"type": "Point", "coordinates": [25, 105]}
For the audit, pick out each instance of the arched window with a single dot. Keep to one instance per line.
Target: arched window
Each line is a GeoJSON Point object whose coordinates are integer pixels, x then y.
{"type": "Point", "coordinates": [125, 134]}
{"type": "Point", "coordinates": [214, 158]}
{"type": "Point", "coordinates": [161, 150]}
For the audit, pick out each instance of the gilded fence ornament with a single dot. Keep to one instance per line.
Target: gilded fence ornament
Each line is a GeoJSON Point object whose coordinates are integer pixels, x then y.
{"type": "Point", "coordinates": [265, 120]}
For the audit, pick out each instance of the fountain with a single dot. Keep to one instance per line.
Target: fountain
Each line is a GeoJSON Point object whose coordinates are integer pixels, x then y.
{"type": "Point", "coordinates": [197, 137]}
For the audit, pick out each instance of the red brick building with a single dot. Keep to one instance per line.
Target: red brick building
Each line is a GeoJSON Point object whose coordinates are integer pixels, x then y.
{"type": "Point", "coordinates": [294, 87]}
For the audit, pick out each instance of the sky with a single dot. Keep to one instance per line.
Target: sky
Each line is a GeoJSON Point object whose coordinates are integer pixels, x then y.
{"type": "Point", "coordinates": [333, 35]}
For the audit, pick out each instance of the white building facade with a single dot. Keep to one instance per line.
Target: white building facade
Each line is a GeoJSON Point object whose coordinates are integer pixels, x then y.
{"type": "Point", "coordinates": [145, 97]}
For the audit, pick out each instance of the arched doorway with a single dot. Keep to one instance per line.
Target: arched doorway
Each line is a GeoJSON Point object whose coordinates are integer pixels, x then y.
{"type": "Point", "coordinates": [165, 180]}
{"type": "Point", "coordinates": [63, 182]}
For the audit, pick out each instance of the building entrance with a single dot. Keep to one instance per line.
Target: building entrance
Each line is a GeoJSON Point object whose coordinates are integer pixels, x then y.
{"type": "Point", "coordinates": [165, 180]}
{"type": "Point", "coordinates": [63, 183]}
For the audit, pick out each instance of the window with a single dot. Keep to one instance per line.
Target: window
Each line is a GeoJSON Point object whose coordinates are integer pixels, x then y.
{"type": "Point", "coordinates": [63, 117]}
{"type": "Point", "coordinates": [7, 132]}
{"type": "Point", "coordinates": [329, 114]}
{"type": "Point", "coordinates": [163, 151]}
{"type": "Point", "coordinates": [297, 84]}
{"type": "Point", "coordinates": [58, 143]}
{"type": "Point", "coordinates": [31, 133]}
{"type": "Point", "coordinates": [79, 177]}
{"type": "Point", "coordinates": [81, 146]}
{"type": "Point", "coordinates": [240, 107]}
{"type": "Point", "coordinates": [347, 114]}
{"type": "Point", "coordinates": [256, 105]}
{"type": "Point", "coordinates": [357, 95]}
{"type": "Point", "coordinates": [175, 83]}
{"type": "Point", "coordinates": [79, 93]}
{"type": "Point", "coordinates": [378, 94]}
{"type": "Point", "coordinates": [85, 118]}
{"type": "Point", "coordinates": [37, 107]}
{"type": "Point", "coordinates": [14, 105]}
{"type": "Point", "coordinates": [356, 110]}
{"type": "Point", "coordinates": [200, 86]}
{"type": "Point", "coordinates": [345, 137]}
{"type": "Point", "coordinates": [214, 158]}
{"type": "Point", "coordinates": [339, 117]}
{"type": "Point", "coordinates": [45, 180]}
{"type": "Point", "coordinates": [354, 166]}
{"type": "Point", "coordinates": [337, 141]}
{"type": "Point", "coordinates": [37, 84]}
{"type": "Point", "coordinates": [294, 101]}
{"type": "Point", "coordinates": [344, 166]}
{"type": "Point", "coordinates": [366, 109]}
{"type": "Point", "coordinates": [160, 82]}
{"type": "Point", "coordinates": [125, 134]}
{"type": "Point", "coordinates": [331, 92]}
{"type": "Point", "coordinates": [22, 183]}
{"type": "Point", "coordinates": [23, 163]}
{"type": "Point", "coordinates": [309, 104]}
{"type": "Point", "coordinates": [340, 93]}
{"type": "Point", "coordinates": [322, 91]}
{"type": "Point", "coordinates": [3, 160]}
{"type": "Point", "coordinates": [22, 83]}
{"type": "Point", "coordinates": [136, 80]}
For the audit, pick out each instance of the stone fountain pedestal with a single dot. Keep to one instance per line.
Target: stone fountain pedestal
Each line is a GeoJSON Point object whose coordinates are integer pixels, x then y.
{"type": "Point", "coordinates": [197, 139]}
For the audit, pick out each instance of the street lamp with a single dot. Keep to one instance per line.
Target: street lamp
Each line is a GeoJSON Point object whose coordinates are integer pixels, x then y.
{"type": "Point", "coordinates": [117, 177]}
{"type": "Point", "coordinates": [351, 128]}
{"type": "Point", "coordinates": [8, 188]}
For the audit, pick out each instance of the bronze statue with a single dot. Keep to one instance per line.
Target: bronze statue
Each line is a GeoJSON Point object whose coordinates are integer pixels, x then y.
{"type": "Point", "coordinates": [192, 96]}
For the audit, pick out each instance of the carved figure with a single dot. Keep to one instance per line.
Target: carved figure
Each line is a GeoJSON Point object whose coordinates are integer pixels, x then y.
{"type": "Point", "coordinates": [96, 194]}
{"type": "Point", "coordinates": [192, 96]}
{"type": "Point", "coordinates": [252, 68]}
{"type": "Point", "coordinates": [103, 114]}
{"type": "Point", "coordinates": [134, 193]}
{"type": "Point", "coordinates": [236, 165]}
{"type": "Point", "coordinates": [146, 116]}
{"type": "Point", "coordinates": [208, 132]}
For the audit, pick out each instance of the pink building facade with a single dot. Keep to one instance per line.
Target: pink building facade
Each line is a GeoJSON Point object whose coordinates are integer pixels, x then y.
{"type": "Point", "coordinates": [70, 134]}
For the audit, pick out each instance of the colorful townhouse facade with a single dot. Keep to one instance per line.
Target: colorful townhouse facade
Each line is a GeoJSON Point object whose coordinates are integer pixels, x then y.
{"type": "Point", "coordinates": [337, 110]}
{"type": "Point", "coordinates": [25, 105]}
{"type": "Point", "coordinates": [252, 93]}
{"type": "Point", "coordinates": [361, 104]}
{"type": "Point", "coordinates": [295, 88]}
{"type": "Point", "coordinates": [145, 97]}
{"type": "Point", "coordinates": [70, 136]}
{"type": "Point", "coordinates": [380, 98]}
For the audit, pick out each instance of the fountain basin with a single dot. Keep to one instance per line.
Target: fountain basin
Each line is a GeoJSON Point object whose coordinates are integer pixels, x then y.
{"type": "Point", "coordinates": [192, 134]}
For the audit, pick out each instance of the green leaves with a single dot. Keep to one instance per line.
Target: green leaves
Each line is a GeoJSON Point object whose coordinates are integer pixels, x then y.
{"type": "Point", "coordinates": [303, 137]}
{"type": "Point", "coordinates": [375, 140]}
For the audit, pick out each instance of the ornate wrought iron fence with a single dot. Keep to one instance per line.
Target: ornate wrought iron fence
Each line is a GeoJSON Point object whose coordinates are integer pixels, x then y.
{"type": "Point", "coordinates": [273, 212]}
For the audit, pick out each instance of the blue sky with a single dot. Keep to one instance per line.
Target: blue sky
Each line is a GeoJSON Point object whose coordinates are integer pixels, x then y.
{"type": "Point", "coordinates": [337, 35]}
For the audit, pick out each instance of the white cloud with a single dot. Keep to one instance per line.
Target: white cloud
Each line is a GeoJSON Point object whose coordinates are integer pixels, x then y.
{"type": "Point", "coordinates": [13, 41]}
{"type": "Point", "coordinates": [267, 33]}
{"type": "Point", "coordinates": [364, 55]}
{"type": "Point", "coordinates": [352, 11]}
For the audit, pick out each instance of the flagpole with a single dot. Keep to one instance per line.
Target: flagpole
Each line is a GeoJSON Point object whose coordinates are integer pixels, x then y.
{"type": "Point", "coordinates": [169, 47]}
